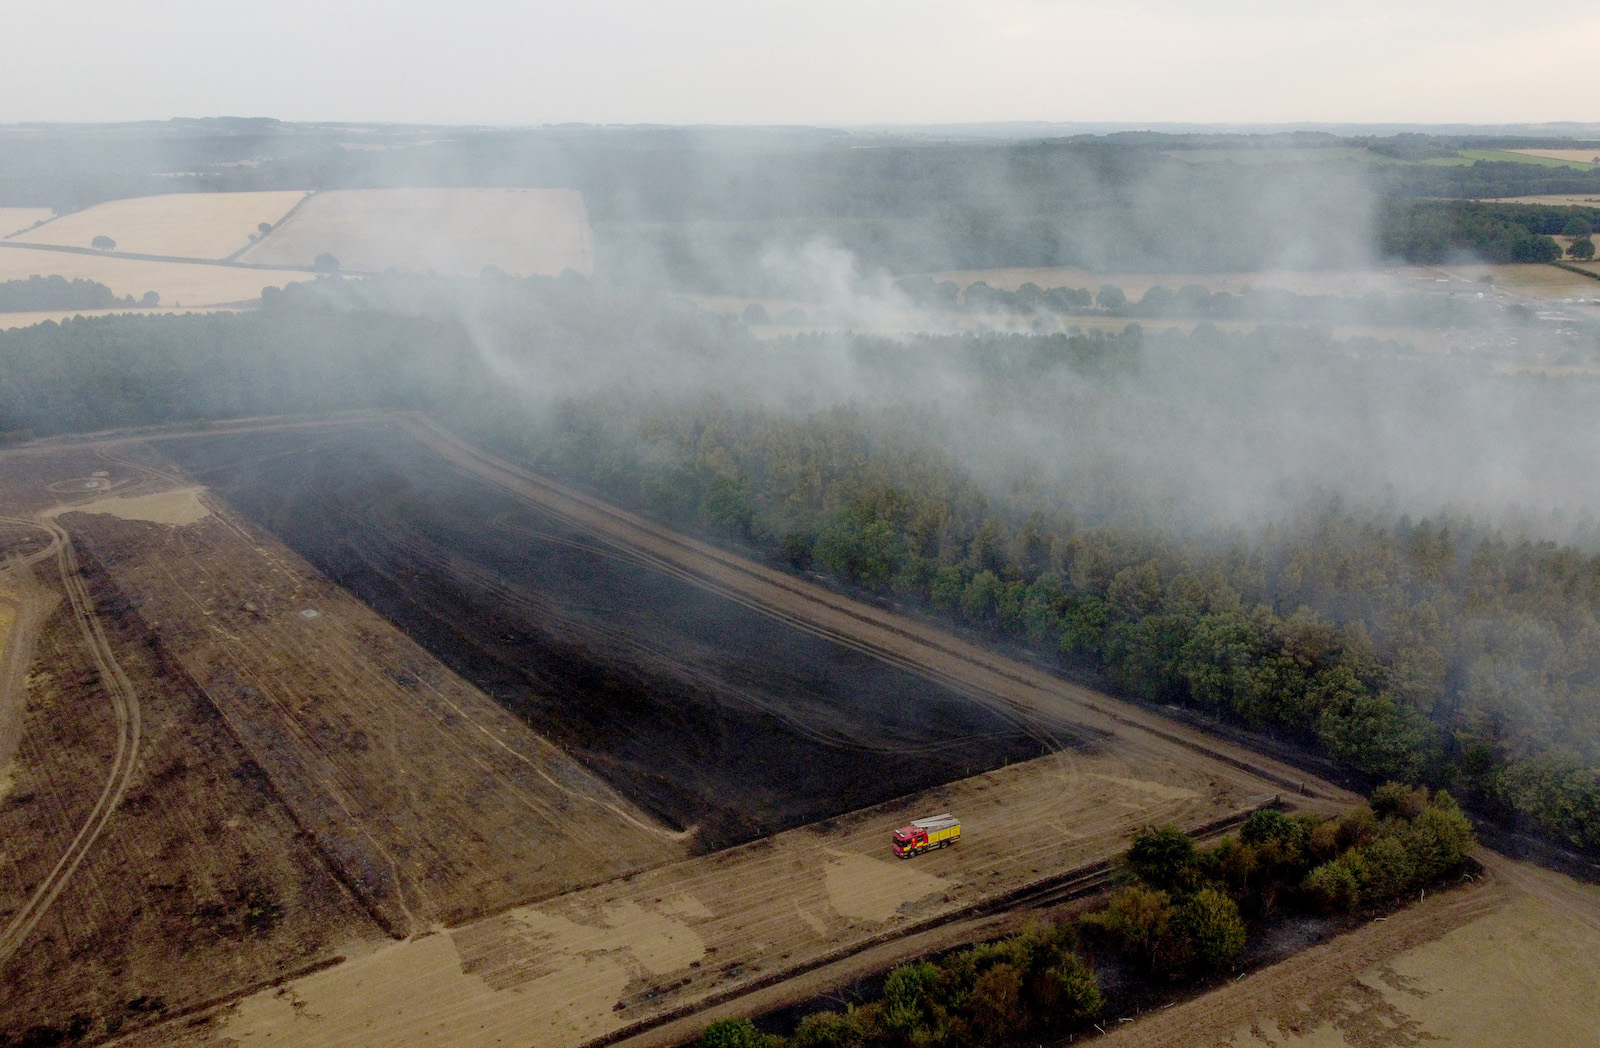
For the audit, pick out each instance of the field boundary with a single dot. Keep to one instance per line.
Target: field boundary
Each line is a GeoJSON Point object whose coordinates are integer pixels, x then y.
{"type": "Point", "coordinates": [1570, 268]}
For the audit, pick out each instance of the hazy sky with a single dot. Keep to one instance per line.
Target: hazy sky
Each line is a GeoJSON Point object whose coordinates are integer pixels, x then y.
{"type": "Point", "coordinates": [817, 61]}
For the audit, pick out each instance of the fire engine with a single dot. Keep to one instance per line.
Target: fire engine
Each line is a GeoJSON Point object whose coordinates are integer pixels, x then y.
{"type": "Point", "coordinates": [936, 831]}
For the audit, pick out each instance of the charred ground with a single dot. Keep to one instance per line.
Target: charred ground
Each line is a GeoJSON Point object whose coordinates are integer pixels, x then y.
{"type": "Point", "coordinates": [696, 707]}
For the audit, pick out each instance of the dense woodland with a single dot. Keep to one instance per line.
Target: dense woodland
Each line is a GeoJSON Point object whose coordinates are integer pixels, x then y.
{"type": "Point", "coordinates": [1436, 648]}
{"type": "Point", "coordinates": [1182, 912]}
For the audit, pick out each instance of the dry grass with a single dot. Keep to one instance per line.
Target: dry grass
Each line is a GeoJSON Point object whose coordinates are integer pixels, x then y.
{"type": "Point", "coordinates": [1531, 281]}
{"type": "Point", "coordinates": [16, 219]}
{"type": "Point", "coordinates": [451, 231]}
{"type": "Point", "coordinates": [189, 284]}
{"type": "Point", "coordinates": [185, 225]}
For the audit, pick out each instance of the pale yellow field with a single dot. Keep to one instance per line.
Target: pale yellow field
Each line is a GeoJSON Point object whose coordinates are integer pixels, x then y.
{"type": "Point", "coordinates": [1554, 199]}
{"type": "Point", "coordinates": [449, 231]}
{"type": "Point", "coordinates": [16, 219]}
{"type": "Point", "coordinates": [1582, 156]}
{"type": "Point", "coordinates": [184, 284]}
{"type": "Point", "coordinates": [184, 225]}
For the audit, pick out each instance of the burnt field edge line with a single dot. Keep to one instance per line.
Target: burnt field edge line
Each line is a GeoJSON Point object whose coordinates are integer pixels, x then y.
{"type": "Point", "coordinates": [959, 651]}
{"type": "Point", "coordinates": [1076, 883]}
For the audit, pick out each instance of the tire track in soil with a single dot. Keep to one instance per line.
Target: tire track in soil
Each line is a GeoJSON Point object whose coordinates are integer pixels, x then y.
{"type": "Point", "coordinates": [125, 707]}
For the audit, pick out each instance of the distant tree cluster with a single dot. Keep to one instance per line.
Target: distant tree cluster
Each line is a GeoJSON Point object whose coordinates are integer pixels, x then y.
{"type": "Point", "coordinates": [1441, 230]}
{"type": "Point", "coordinates": [38, 293]}
{"type": "Point", "coordinates": [1182, 910]}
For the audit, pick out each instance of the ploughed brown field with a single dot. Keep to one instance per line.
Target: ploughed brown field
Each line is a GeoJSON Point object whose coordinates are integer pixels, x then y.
{"type": "Point", "coordinates": [489, 802]}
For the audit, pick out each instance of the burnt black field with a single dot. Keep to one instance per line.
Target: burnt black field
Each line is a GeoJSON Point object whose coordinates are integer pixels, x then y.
{"type": "Point", "coordinates": [698, 709]}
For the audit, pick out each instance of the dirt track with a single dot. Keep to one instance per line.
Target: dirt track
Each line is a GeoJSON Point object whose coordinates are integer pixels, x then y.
{"type": "Point", "coordinates": [124, 701]}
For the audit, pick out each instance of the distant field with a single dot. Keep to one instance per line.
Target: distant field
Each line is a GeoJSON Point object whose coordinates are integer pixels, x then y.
{"type": "Point", "coordinates": [1582, 156]}
{"type": "Point", "coordinates": [184, 225]}
{"type": "Point", "coordinates": [1248, 155]}
{"type": "Point", "coordinates": [1471, 156]}
{"type": "Point", "coordinates": [1554, 199]}
{"type": "Point", "coordinates": [14, 219]}
{"type": "Point", "coordinates": [178, 283]}
{"type": "Point", "coordinates": [449, 231]}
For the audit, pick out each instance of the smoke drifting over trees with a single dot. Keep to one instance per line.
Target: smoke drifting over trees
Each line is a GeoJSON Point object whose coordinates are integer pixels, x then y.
{"type": "Point", "coordinates": [1381, 552]}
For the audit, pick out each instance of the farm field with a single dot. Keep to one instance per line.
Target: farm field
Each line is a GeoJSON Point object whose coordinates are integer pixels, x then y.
{"type": "Point", "coordinates": [188, 284]}
{"type": "Point", "coordinates": [278, 785]}
{"type": "Point", "coordinates": [405, 795]}
{"type": "Point", "coordinates": [593, 963]}
{"type": "Point", "coordinates": [17, 219]}
{"type": "Point", "coordinates": [184, 225]}
{"type": "Point", "coordinates": [1554, 199]}
{"type": "Point", "coordinates": [456, 232]}
{"type": "Point", "coordinates": [1579, 156]}
{"type": "Point", "coordinates": [1498, 964]}
{"type": "Point", "coordinates": [695, 708]}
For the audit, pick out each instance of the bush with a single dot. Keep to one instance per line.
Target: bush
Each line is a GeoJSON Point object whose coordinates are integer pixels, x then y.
{"type": "Point", "coordinates": [1332, 887]}
{"type": "Point", "coordinates": [1164, 858]}
{"type": "Point", "coordinates": [826, 1030]}
{"type": "Point", "coordinates": [996, 1005]}
{"type": "Point", "coordinates": [1210, 926]}
{"type": "Point", "coordinates": [1397, 799]}
{"type": "Point", "coordinates": [733, 1033]}
{"type": "Point", "coordinates": [1066, 994]}
{"type": "Point", "coordinates": [1389, 869]}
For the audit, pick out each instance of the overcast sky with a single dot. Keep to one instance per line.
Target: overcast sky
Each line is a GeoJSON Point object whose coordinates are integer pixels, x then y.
{"type": "Point", "coordinates": [803, 61]}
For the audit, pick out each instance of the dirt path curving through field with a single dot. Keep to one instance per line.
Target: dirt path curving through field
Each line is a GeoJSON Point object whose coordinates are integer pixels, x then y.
{"type": "Point", "coordinates": [125, 708]}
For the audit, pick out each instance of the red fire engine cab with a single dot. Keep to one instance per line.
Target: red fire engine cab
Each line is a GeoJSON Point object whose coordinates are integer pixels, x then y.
{"type": "Point", "coordinates": [936, 831]}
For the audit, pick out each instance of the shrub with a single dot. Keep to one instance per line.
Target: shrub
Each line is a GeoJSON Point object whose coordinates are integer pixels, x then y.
{"type": "Point", "coordinates": [1066, 994]}
{"type": "Point", "coordinates": [827, 1030]}
{"type": "Point", "coordinates": [1209, 923]}
{"type": "Point", "coordinates": [1439, 839]}
{"type": "Point", "coordinates": [996, 1005]}
{"type": "Point", "coordinates": [1332, 887]}
{"type": "Point", "coordinates": [1397, 799]}
{"type": "Point", "coordinates": [733, 1033]}
{"type": "Point", "coordinates": [1164, 858]}
{"type": "Point", "coordinates": [1269, 826]}
{"type": "Point", "coordinates": [1389, 869]}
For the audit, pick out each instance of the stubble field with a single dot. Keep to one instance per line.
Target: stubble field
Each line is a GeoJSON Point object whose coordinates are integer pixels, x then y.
{"type": "Point", "coordinates": [185, 225]}
{"type": "Point", "coordinates": [524, 232]}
